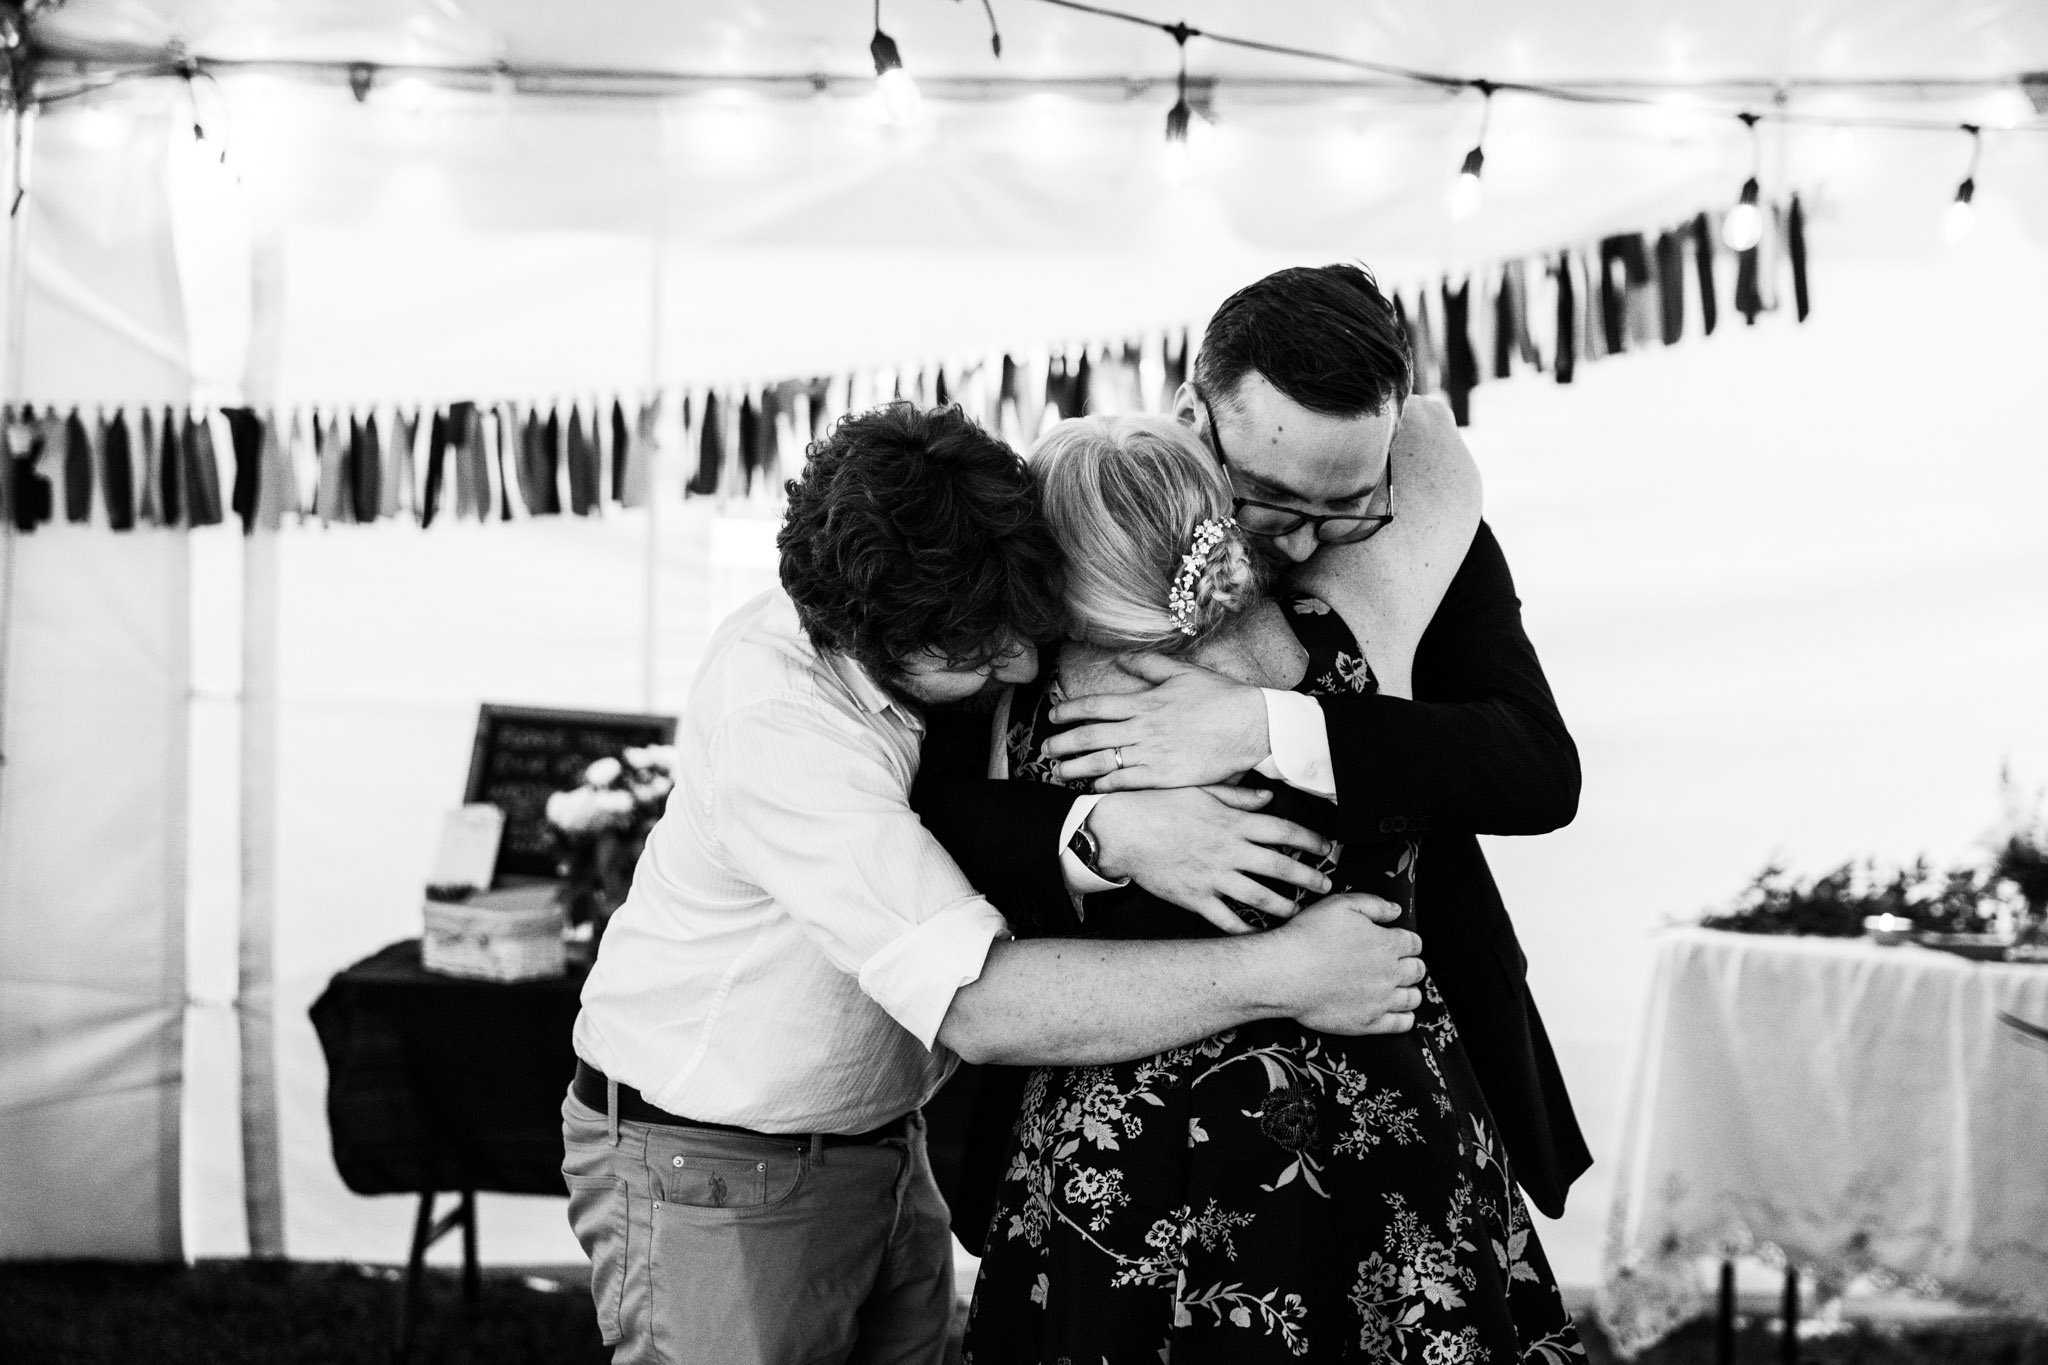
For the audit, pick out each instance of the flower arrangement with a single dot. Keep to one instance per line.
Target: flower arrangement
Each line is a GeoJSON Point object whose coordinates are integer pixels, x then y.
{"type": "Point", "coordinates": [600, 826]}
{"type": "Point", "coordinates": [2006, 895]}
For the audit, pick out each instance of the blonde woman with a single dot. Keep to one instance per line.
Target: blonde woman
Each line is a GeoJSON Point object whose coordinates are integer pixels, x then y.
{"type": "Point", "coordinates": [1269, 1193]}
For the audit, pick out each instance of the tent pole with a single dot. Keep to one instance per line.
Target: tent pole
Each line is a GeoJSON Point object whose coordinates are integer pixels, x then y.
{"type": "Point", "coordinates": [650, 624]}
{"type": "Point", "coordinates": [262, 571]}
{"type": "Point", "coordinates": [21, 119]}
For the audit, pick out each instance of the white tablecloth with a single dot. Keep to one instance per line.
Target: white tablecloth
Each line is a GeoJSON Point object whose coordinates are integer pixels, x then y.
{"type": "Point", "coordinates": [1838, 1107]}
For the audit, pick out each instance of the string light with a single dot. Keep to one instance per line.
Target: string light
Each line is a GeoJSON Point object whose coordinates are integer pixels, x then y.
{"type": "Point", "coordinates": [1962, 213]}
{"type": "Point", "coordinates": [1743, 228]}
{"type": "Point", "coordinates": [1467, 193]}
{"type": "Point", "coordinates": [1178, 159]}
{"type": "Point", "coordinates": [901, 102]}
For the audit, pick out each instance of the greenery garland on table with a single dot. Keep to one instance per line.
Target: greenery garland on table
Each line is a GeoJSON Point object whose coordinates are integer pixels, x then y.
{"type": "Point", "coordinates": [1969, 899]}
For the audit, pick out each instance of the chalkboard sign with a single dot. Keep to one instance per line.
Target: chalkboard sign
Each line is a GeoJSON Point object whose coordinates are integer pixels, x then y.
{"type": "Point", "coordinates": [525, 754]}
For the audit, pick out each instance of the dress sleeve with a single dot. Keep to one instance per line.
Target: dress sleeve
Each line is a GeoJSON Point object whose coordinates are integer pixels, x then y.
{"type": "Point", "coordinates": [1005, 834]}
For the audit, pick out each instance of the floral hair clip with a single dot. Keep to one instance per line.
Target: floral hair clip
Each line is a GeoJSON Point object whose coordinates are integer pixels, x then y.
{"type": "Point", "coordinates": [1180, 601]}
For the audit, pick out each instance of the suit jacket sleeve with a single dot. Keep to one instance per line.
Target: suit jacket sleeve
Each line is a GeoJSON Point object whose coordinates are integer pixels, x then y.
{"type": "Point", "coordinates": [1003, 834]}
{"type": "Point", "coordinates": [1482, 748]}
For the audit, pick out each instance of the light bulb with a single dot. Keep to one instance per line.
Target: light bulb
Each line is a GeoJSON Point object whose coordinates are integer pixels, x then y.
{"type": "Point", "coordinates": [901, 101]}
{"type": "Point", "coordinates": [1178, 159]}
{"type": "Point", "coordinates": [410, 94]}
{"type": "Point", "coordinates": [1743, 228]}
{"type": "Point", "coordinates": [1466, 197]}
{"type": "Point", "coordinates": [1176, 162]}
{"type": "Point", "coordinates": [1961, 221]}
{"type": "Point", "coordinates": [1962, 212]}
{"type": "Point", "coordinates": [1467, 193]}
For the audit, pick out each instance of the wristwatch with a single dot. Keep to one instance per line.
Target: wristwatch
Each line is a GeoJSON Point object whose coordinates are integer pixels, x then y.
{"type": "Point", "coordinates": [1084, 847]}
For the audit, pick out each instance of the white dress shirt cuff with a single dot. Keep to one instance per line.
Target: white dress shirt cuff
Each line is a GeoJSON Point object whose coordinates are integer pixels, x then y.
{"type": "Point", "coordinates": [1081, 881]}
{"type": "Point", "coordinates": [1300, 742]}
{"type": "Point", "coordinates": [915, 976]}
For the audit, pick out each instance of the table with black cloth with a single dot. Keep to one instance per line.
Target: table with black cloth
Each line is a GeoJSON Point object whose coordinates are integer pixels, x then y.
{"type": "Point", "coordinates": [437, 1083]}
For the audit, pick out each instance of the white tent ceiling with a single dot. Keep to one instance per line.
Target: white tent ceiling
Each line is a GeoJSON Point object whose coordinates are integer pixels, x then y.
{"type": "Point", "coordinates": [456, 236]}
{"type": "Point", "coordinates": [1623, 40]}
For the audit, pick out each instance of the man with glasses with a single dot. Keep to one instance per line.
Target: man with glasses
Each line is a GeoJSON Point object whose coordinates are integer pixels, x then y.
{"type": "Point", "coordinates": [1302, 391]}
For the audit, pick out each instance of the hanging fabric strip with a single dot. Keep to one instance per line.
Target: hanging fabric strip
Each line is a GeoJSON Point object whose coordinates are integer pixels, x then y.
{"type": "Point", "coordinates": [1703, 261]}
{"type": "Point", "coordinates": [328, 454]}
{"type": "Point", "coordinates": [1795, 247]}
{"type": "Point", "coordinates": [476, 462]}
{"type": "Point", "coordinates": [1748, 301]}
{"type": "Point", "coordinates": [149, 498]}
{"type": "Point", "coordinates": [437, 462]}
{"type": "Point", "coordinates": [1613, 296]}
{"type": "Point", "coordinates": [388, 471]}
{"type": "Point", "coordinates": [505, 458]}
{"type": "Point", "coordinates": [582, 467]}
{"type": "Point", "coordinates": [369, 500]}
{"type": "Point", "coordinates": [1566, 359]}
{"type": "Point", "coordinates": [636, 486]}
{"type": "Point", "coordinates": [1503, 327]}
{"type": "Point", "coordinates": [76, 463]}
{"type": "Point", "coordinates": [1671, 285]}
{"type": "Point", "coordinates": [1175, 364]}
{"type": "Point", "coordinates": [1461, 367]}
{"type": "Point", "coordinates": [31, 497]}
{"type": "Point", "coordinates": [750, 445]}
{"type": "Point", "coordinates": [549, 467]}
{"type": "Point", "coordinates": [472, 492]}
{"type": "Point", "coordinates": [1639, 288]}
{"type": "Point", "coordinates": [622, 454]}
{"type": "Point", "coordinates": [710, 449]}
{"type": "Point", "coordinates": [276, 481]}
{"type": "Point", "coordinates": [117, 473]}
{"type": "Point", "coordinates": [245, 435]}
{"type": "Point", "coordinates": [172, 490]}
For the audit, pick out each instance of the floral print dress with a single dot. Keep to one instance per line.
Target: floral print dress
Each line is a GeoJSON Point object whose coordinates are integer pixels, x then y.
{"type": "Point", "coordinates": [1270, 1193]}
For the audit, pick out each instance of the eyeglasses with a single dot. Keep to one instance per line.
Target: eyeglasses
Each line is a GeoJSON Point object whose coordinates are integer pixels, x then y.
{"type": "Point", "coordinates": [1272, 521]}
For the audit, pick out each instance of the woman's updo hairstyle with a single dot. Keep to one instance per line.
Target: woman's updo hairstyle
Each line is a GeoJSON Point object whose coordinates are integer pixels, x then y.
{"type": "Point", "coordinates": [1126, 497]}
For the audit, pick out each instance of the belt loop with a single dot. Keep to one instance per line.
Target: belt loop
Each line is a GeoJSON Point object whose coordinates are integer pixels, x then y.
{"type": "Point", "coordinates": [817, 1149]}
{"type": "Point", "coordinates": [611, 1108]}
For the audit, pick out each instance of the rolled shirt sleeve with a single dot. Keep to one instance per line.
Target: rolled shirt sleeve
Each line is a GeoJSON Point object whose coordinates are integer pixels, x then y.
{"type": "Point", "coordinates": [1300, 741]}
{"type": "Point", "coordinates": [816, 807]}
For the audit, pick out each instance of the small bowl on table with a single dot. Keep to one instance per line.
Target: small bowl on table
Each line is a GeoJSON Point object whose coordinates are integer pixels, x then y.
{"type": "Point", "coordinates": [1887, 931]}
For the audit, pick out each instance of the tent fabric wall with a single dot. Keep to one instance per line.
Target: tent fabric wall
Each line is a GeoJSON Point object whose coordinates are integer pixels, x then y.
{"type": "Point", "coordinates": [92, 897]}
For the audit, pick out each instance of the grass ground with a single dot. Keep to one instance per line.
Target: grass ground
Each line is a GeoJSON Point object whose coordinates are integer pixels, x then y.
{"type": "Point", "coordinates": [245, 1313]}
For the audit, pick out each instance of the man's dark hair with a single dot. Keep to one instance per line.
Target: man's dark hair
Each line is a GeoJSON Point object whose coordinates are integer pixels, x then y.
{"type": "Point", "coordinates": [1323, 335]}
{"type": "Point", "coordinates": [914, 530]}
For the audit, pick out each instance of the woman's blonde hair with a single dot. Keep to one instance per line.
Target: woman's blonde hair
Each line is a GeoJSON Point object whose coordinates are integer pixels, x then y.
{"type": "Point", "coordinates": [1125, 497]}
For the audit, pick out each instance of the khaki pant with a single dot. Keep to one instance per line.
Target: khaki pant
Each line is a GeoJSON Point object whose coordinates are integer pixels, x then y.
{"type": "Point", "coordinates": [710, 1248]}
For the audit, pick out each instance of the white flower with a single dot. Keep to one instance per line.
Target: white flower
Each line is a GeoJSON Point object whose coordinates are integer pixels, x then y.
{"type": "Point", "coordinates": [658, 757]}
{"type": "Point", "coordinates": [573, 811]}
{"type": "Point", "coordinates": [613, 807]}
{"type": "Point", "coordinates": [603, 773]}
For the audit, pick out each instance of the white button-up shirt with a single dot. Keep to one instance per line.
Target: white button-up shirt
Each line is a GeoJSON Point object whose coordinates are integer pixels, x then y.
{"type": "Point", "coordinates": [794, 936]}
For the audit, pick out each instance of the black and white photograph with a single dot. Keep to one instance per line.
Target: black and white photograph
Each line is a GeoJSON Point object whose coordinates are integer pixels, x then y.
{"type": "Point", "coordinates": [1024, 682]}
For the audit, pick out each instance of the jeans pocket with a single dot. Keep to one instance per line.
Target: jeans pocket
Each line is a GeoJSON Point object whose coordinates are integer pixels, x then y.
{"type": "Point", "coordinates": [734, 1184]}
{"type": "Point", "coordinates": [598, 1215]}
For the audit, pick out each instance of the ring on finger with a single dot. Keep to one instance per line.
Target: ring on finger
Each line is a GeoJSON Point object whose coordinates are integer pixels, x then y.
{"type": "Point", "coordinates": [1118, 754]}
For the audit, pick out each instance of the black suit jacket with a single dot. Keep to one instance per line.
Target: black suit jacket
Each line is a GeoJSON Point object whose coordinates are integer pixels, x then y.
{"type": "Point", "coordinates": [1480, 750]}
